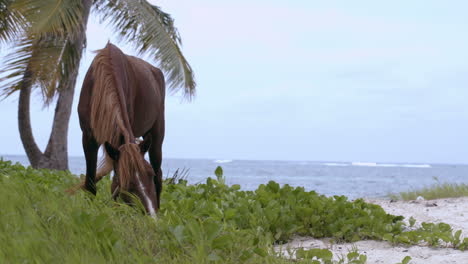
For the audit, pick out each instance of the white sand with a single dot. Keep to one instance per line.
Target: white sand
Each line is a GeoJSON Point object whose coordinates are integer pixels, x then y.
{"type": "Point", "coordinates": [453, 211]}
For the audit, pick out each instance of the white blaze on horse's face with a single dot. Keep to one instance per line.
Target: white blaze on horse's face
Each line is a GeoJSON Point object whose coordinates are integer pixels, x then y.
{"type": "Point", "coordinates": [133, 175]}
{"type": "Point", "coordinates": [142, 187]}
{"type": "Point", "coordinates": [147, 199]}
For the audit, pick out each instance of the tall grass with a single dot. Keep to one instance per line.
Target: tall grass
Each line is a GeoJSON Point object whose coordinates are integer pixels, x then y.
{"type": "Point", "coordinates": [39, 223]}
{"type": "Point", "coordinates": [436, 191]}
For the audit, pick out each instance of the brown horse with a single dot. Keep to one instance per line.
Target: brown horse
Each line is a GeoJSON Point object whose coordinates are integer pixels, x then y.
{"type": "Point", "coordinates": [122, 99]}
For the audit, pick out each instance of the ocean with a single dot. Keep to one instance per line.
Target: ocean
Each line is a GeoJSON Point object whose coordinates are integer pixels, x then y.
{"type": "Point", "coordinates": [353, 179]}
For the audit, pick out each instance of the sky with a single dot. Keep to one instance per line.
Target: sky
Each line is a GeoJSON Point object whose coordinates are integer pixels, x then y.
{"type": "Point", "coordinates": [368, 81]}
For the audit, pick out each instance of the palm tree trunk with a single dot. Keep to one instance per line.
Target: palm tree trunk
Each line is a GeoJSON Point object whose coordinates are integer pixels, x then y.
{"type": "Point", "coordinates": [24, 121]}
{"type": "Point", "coordinates": [56, 153]}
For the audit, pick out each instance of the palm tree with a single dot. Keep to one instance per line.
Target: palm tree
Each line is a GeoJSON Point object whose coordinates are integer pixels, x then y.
{"type": "Point", "coordinates": [46, 39]}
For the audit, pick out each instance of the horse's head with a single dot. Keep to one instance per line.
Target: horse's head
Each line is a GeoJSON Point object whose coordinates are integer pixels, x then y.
{"type": "Point", "coordinates": [133, 174]}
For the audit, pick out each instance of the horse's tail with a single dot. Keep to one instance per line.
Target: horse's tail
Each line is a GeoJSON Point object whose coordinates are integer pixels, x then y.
{"type": "Point", "coordinates": [109, 115]}
{"type": "Point", "coordinates": [105, 167]}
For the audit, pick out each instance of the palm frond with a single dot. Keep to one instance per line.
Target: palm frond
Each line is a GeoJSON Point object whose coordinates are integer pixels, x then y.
{"type": "Point", "coordinates": [62, 18]}
{"type": "Point", "coordinates": [41, 32]}
{"type": "Point", "coordinates": [15, 65]}
{"type": "Point", "coordinates": [12, 23]}
{"type": "Point", "coordinates": [152, 32]}
{"type": "Point", "coordinates": [49, 60]}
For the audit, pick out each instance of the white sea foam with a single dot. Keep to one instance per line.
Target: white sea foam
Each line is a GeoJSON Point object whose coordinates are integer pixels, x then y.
{"type": "Point", "coordinates": [223, 161]}
{"type": "Point", "coordinates": [416, 166]}
{"type": "Point", "coordinates": [390, 165]}
{"type": "Point", "coordinates": [332, 164]}
{"type": "Point", "coordinates": [367, 164]}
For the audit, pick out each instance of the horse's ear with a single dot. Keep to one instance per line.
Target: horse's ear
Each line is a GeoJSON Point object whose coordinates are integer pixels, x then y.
{"type": "Point", "coordinates": [145, 145]}
{"type": "Point", "coordinates": [111, 151]}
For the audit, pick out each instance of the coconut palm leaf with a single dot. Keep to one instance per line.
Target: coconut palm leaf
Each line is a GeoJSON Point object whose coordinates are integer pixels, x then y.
{"type": "Point", "coordinates": [152, 32]}
{"type": "Point", "coordinates": [42, 46]}
{"type": "Point", "coordinates": [11, 22]}
{"type": "Point", "coordinates": [48, 60]}
{"type": "Point", "coordinates": [14, 67]}
{"type": "Point", "coordinates": [52, 61]}
{"type": "Point", "coordinates": [61, 18]}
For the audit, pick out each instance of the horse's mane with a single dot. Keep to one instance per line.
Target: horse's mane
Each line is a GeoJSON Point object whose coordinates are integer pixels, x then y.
{"type": "Point", "coordinates": [109, 117]}
{"type": "Point", "coordinates": [130, 161]}
{"type": "Point", "coordinates": [109, 113]}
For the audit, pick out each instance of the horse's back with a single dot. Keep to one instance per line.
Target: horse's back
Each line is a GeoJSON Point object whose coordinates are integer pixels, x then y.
{"type": "Point", "coordinates": [148, 76]}
{"type": "Point", "coordinates": [149, 95]}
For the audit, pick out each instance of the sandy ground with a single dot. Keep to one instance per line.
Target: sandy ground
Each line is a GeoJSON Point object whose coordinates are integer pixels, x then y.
{"type": "Point", "coordinates": [453, 211]}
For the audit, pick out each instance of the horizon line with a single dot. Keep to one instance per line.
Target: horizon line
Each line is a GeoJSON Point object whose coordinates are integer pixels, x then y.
{"type": "Point", "coordinates": [288, 160]}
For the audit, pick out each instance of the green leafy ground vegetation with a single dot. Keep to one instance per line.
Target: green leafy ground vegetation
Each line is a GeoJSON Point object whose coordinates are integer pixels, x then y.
{"type": "Point", "coordinates": [204, 223]}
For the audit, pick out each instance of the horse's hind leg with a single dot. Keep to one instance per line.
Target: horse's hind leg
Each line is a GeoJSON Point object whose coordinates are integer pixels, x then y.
{"type": "Point", "coordinates": [155, 155]}
{"type": "Point", "coordinates": [90, 148]}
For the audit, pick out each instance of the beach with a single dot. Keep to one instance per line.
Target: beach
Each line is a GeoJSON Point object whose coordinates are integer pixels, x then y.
{"type": "Point", "coordinates": [453, 211]}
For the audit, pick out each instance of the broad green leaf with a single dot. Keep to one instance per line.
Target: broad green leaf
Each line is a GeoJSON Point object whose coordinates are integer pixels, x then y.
{"type": "Point", "coordinates": [260, 251]}
{"type": "Point", "coordinates": [406, 260]}
{"type": "Point", "coordinates": [223, 241]}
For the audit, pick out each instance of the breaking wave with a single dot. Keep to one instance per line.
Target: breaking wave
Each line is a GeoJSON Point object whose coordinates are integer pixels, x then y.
{"type": "Point", "coordinates": [366, 164]}
{"type": "Point", "coordinates": [223, 161]}
{"type": "Point", "coordinates": [390, 165]}
{"type": "Point", "coordinates": [335, 164]}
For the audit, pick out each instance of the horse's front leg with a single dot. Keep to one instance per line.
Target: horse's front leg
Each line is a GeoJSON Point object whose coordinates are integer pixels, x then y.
{"type": "Point", "coordinates": [90, 148]}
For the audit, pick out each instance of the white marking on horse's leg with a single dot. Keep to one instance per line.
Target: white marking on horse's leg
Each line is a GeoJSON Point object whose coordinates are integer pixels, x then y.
{"type": "Point", "coordinates": [148, 200]}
